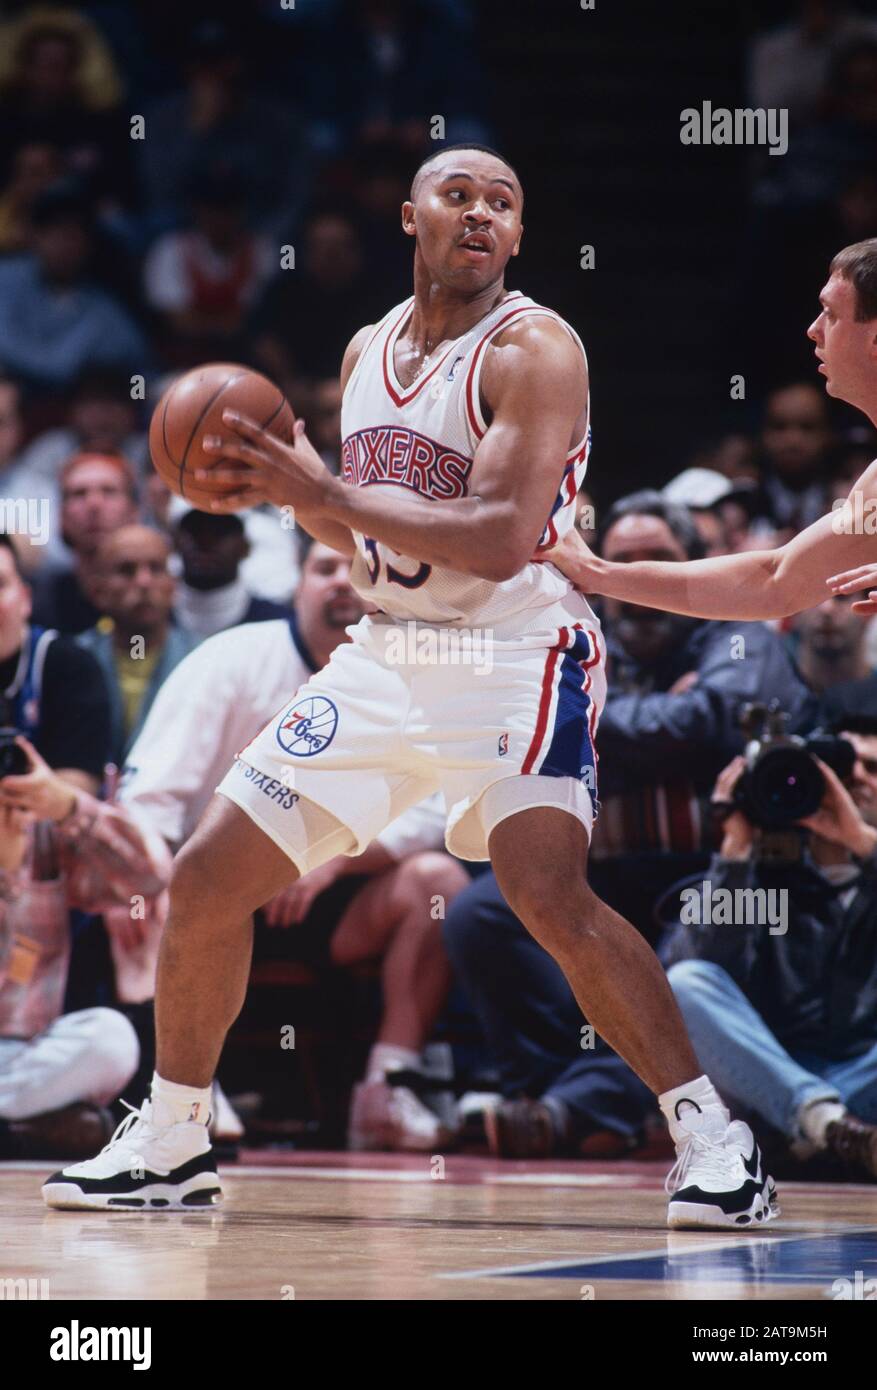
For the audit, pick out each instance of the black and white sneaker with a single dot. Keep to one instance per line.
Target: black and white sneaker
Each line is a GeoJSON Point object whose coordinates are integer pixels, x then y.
{"type": "Point", "coordinates": [152, 1163]}
{"type": "Point", "coordinates": [718, 1179]}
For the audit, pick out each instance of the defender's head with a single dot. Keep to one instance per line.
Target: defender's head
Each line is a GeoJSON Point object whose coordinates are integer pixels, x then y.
{"type": "Point", "coordinates": [465, 212]}
{"type": "Point", "coordinates": [845, 332]}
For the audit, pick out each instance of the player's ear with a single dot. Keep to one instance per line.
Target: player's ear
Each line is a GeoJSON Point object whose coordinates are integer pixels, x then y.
{"type": "Point", "coordinates": [517, 246]}
{"type": "Point", "coordinates": [408, 226]}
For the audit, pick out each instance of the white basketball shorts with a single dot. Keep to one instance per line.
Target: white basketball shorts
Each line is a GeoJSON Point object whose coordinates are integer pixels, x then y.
{"type": "Point", "coordinates": [404, 709]}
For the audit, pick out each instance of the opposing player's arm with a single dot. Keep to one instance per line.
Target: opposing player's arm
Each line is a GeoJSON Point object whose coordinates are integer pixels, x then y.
{"type": "Point", "coordinates": [756, 584]}
{"type": "Point", "coordinates": [534, 382]}
{"type": "Point", "coordinates": [335, 533]}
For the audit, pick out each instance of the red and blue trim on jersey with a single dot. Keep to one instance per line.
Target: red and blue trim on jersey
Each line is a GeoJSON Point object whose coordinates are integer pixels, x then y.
{"type": "Point", "coordinates": [568, 747]}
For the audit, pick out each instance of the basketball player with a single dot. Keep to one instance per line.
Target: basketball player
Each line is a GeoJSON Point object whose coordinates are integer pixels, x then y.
{"type": "Point", "coordinates": [776, 583]}
{"type": "Point", "coordinates": [465, 424]}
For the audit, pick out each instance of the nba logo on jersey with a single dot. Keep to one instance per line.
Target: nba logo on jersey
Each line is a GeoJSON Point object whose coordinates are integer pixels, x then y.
{"type": "Point", "coordinates": [503, 746]}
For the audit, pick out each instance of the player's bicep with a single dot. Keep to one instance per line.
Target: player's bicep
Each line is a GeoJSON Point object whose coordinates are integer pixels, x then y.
{"type": "Point", "coordinates": [537, 390]}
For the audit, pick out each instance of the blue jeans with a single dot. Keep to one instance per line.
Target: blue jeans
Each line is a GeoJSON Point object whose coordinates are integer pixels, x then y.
{"type": "Point", "coordinates": [531, 1021]}
{"type": "Point", "coordinates": [750, 1067]}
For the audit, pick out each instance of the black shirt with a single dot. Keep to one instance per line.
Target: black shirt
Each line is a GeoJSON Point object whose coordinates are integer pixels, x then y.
{"type": "Point", "coordinates": [74, 722]}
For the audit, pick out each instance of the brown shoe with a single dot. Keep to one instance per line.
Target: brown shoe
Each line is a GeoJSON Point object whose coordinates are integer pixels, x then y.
{"type": "Point", "coordinates": [855, 1143]}
{"type": "Point", "coordinates": [77, 1131]}
{"type": "Point", "coordinates": [521, 1129]}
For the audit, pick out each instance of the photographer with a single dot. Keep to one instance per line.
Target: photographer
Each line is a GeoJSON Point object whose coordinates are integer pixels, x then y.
{"type": "Point", "coordinates": [783, 1012]}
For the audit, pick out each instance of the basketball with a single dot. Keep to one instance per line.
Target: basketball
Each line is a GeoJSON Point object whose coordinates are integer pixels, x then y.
{"type": "Point", "coordinates": [192, 408]}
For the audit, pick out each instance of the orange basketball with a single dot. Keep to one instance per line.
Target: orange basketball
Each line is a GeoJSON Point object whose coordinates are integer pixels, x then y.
{"type": "Point", "coordinates": [193, 407]}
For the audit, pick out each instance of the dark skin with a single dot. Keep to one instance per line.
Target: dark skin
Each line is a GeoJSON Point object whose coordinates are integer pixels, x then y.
{"type": "Point", "coordinates": [535, 398]}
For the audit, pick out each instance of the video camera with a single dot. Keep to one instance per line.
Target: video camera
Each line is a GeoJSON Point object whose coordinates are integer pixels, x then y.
{"type": "Point", "coordinates": [783, 783]}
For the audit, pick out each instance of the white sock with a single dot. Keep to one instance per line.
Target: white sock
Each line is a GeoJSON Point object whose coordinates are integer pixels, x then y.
{"type": "Point", "coordinates": [180, 1103]}
{"type": "Point", "coordinates": [696, 1105]}
{"type": "Point", "coordinates": [386, 1057]}
{"type": "Point", "coordinates": [814, 1119]}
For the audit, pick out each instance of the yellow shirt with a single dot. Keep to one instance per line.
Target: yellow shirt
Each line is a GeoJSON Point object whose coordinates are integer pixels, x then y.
{"type": "Point", "coordinates": [134, 674]}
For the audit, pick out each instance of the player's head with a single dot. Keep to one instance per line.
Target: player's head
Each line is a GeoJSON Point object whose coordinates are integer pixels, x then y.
{"type": "Point", "coordinates": [845, 331]}
{"type": "Point", "coordinates": [465, 194]}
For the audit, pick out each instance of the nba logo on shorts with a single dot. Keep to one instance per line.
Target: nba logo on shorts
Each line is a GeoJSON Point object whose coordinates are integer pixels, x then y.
{"type": "Point", "coordinates": [503, 745]}
{"type": "Point", "coordinates": [308, 726]}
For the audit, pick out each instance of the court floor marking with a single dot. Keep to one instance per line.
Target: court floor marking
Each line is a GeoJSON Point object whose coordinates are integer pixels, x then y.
{"type": "Point", "coordinates": [739, 1240]}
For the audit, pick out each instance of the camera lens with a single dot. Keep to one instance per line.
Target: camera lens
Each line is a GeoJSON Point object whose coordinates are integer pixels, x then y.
{"type": "Point", "coordinates": [786, 786]}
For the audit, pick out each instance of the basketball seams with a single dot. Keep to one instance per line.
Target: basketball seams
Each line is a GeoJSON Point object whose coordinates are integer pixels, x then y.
{"type": "Point", "coordinates": [205, 410]}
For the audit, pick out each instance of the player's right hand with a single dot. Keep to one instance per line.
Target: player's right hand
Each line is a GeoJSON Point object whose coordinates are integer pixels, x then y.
{"type": "Point", "coordinates": [852, 581]}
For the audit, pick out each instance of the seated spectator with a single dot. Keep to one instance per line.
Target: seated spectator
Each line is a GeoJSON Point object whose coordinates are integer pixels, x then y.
{"type": "Point", "coordinates": [307, 316]}
{"type": "Point", "coordinates": [59, 87]}
{"type": "Point", "coordinates": [11, 431]}
{"type": "Point", "coordinates": [54, 694]}
{"type": "Point", "coordinates": [796, 440]}
{"type": "Point", "coordinates": [373, 906]}
{"type": "Point", "coordinates": [677, 687]}
{"type": "Point", "coordinates": [135, 642]}
{"type": "Point", "coordinates": [789, 65]}
{"type": "Point", "coordinates": [102, 419]}
{"type": "Point", "coordinates": [55, 321]}
{"type": "Point", "coordinates": [222, 116]}
{"type": "Point", "coordinates": [97, 497]}
{"type": "Point", "coordinates": [324, 420]}
{"type": "Point", "coordinates": [202, 279]}
{"type": "Point", "coordinates": [829, 643]}
{"type": "Point", "coordinates": [212, 593]}
{"type": "Point", "coordinates": [783, 1014]}
{"type": "Point", "coordinates": [563, 1092]}
{"type": "Point", "coordinates": [709, 495]}
{"type": "Point", "coordinates": [57, 1071]}
{"type": "Point", "coordinates": [35, 167]}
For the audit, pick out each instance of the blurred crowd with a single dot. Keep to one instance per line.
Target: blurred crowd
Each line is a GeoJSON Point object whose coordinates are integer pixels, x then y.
{"type": "Point", "coordinates": [147, 203]}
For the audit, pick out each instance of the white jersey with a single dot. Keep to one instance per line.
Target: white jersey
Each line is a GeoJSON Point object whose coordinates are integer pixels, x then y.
{"type": "Point", "coordinates": [212, 704]}
{"type": "Point", "coordinates": [422, 438]}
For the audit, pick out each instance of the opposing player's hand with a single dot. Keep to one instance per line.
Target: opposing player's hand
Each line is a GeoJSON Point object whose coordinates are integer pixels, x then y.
{"type": "Point", "coordinates": [264, 469]}
{"type": "Point", "coordinates": [574, 558]}
{"type": "Point", "coordinates": [851, 581]}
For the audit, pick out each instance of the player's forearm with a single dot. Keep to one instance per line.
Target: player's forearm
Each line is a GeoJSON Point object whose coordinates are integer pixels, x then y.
{"type": "Point", "coordinates": [745, 586]}
{"type": "Point", "coordinates": [332, 533]}
{"type": "Point", "coordinates": [465, 534]}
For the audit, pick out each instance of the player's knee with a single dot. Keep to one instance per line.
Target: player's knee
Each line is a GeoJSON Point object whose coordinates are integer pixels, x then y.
{"type": "Point", "coordinates": [562, 921]}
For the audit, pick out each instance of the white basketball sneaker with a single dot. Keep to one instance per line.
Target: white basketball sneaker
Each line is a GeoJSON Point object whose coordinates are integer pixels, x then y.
{"type": "Point", "coordinates": [150, 1164]}
{"type": "Point", "coordinates": [392, 1117]}
{"type": "Point", "coordinates": [718, 1179]}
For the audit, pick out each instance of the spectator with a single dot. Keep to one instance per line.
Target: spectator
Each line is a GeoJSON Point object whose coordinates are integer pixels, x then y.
{"type": "Point", "coordinates": [220, 118]}
{"type": "Point", "coordinates": [563, 1092]}
{"type": "Point", "coordinates": [676, 691]}
{"type": "Point", "coordinates": [829, 642]}
{"type": "Point", "coordinates": [97, 497]}
{"type": "Point", "coordinates": [135, 643]}
{"type": "Point", "coordinates": [11, 431]}
{"type": "Point", "coordinates": [55, 695]}
{"type": "Point", "coordinates": [202, 279]}
{"type": "Point", "coordinates": [324, 420]}
{"type": "Point", "coordinates": [796, 439]}
{"type": "Point", "coordinates": [35, 167]}
{"type": "Point", "coordinates": [789, 65]}
{"type": "Point", "coordinates": [784, 1013]}
{"type": "Point", "coordinates": [308, 315]}
{"type": "Point", "coordinates": [710, 497]}
{"type": "Point", "coordinates": [102, 419]}
{"type": "Point", "coordinates": [55, 321]}
{"type": "Point", "coordinates": [58, 86]}
{"type": "Point", "coordinates": [211, 593]}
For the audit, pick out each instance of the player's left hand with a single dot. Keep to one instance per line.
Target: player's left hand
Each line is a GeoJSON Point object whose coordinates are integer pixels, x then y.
{"type": "Point", "coordinates": [264, 469]}
{"type": "Point", "coordinates": [851, 581]}
{"type": "Point", "coordinates": [575, 559]}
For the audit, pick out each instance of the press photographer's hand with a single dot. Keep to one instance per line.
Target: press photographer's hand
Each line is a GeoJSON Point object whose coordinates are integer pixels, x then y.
{"type": "Point", "coordinates": [839, 818]}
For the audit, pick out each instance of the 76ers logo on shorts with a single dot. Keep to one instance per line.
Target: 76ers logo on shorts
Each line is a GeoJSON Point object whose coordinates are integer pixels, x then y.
{"type": "Point", "coordinates": [308, 726]}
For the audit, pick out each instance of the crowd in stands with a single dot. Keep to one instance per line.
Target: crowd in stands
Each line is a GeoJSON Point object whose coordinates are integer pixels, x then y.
{"type": "Point", "coordinates": [142, 642]}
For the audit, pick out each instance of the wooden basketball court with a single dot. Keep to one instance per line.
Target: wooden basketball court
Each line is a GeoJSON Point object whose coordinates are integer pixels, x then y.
{"type": "Point", "coordinates": [366, 1227]}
